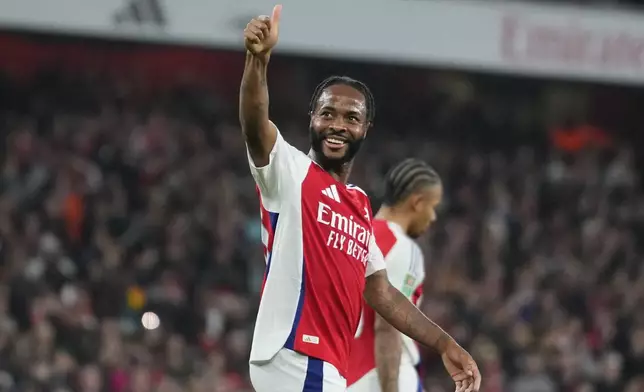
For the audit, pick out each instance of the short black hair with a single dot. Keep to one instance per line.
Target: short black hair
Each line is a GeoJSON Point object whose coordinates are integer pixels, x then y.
{"type": "Point", "coordinates": [347, 81]}
{"type": "Point", "coordinates": [407, 177]}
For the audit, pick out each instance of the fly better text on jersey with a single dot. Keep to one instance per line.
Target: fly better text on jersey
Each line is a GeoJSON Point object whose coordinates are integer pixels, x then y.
{"type": "Point", "coordinates": [348, 235]}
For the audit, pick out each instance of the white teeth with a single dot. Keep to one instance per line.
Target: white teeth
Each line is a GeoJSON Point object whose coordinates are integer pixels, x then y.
{"type": "Point", "coordinates": [335, 141]}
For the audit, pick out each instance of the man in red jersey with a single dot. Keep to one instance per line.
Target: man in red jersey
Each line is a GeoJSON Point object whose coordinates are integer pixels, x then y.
{"type": "Point", "coordinates": [318, 238]}
{"type": "Point", "coordinates": [381, 358]}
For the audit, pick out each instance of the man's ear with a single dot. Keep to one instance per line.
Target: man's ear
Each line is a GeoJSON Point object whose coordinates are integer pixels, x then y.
{"type": "Point", "coordinates": [367, 128]}
{"type": "Point", "coordinates": [415, 201]}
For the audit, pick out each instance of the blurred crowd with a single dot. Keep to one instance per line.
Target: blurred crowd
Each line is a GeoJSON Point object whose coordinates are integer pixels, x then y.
{"type": "Point", "coordinates": [118, 199]}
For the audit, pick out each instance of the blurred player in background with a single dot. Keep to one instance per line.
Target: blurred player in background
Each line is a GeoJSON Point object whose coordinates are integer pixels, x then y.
{"type": "Point", "coordinates": [382, 359]}
{"type": "Point", "coordinates": [318, 238]}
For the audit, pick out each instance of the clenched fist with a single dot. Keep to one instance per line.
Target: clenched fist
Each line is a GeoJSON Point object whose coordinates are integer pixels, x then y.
{"type": "Point", "coordinates": [260, 35]}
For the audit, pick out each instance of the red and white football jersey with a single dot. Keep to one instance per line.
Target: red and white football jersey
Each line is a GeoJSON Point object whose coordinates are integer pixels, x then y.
{"type": "Point", "coordinates": [406, 271]}
{"type": "Point", "coordinates": [319, 247]}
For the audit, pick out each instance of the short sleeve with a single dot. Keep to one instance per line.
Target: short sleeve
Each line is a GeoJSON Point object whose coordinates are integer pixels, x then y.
{"type": "Point", "coordinates": [285, 170]}
{"type": "Point", "coordinates": [376, 261]}
{"type": "Point", "coordinates": [403, 268]}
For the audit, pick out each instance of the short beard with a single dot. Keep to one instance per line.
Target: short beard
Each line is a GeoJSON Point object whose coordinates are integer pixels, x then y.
{"type": "Point", "coordinates": [316, 144]}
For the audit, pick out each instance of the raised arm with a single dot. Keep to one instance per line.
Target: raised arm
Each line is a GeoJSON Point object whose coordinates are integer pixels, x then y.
{"type": "Point", "coordinates": [260, 37]}
{"type": "Point", "coordinates": [398, 311]}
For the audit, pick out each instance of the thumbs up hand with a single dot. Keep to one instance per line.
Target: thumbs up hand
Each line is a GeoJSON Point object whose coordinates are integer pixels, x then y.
{"type": "Point", "coordinates": [260, 34]}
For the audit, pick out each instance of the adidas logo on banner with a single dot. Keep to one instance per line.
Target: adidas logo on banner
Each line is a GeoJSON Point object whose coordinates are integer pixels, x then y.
{"type": "Point", "coordinates": [141, 13]}
{"type": "Point", "coordinates": [332, 193]}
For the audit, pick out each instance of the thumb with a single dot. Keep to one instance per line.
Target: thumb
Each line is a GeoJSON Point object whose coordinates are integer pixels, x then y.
{"type": "Point", "coordinates": [469, 370]}
{"type": "Point", "coordinates": [275, 17]}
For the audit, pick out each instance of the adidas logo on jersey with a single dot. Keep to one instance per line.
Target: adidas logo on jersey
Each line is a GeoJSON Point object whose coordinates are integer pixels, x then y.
{"type": "Point", "coordinates": [310, 339]}
{"type": "Point", "coordinates": [332, 193]}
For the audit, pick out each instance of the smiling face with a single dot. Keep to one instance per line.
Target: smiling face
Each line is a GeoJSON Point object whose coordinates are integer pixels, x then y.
{"type": "Point", "coordinates": [339, 124]}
